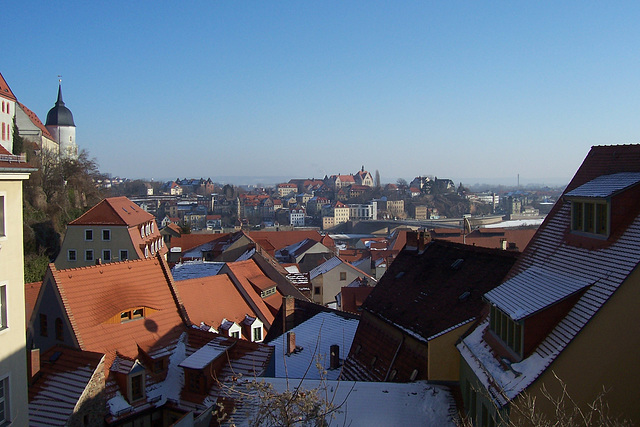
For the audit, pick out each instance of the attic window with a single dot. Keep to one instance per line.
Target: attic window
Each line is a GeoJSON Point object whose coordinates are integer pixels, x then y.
{"type": "Point", "coordinates": [508, 330]}
{"type": "Point", "coordinates": [456, 264]}
{"type": "Point", "coordinates": [590, 216]}
{"type": "Point", "coordinates": [267, 292]}
{"type": "Point", "coordinates": [135, 313]}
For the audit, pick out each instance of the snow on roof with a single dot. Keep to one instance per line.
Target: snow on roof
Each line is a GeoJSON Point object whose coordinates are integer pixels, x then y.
{"type": "Point", "coordinates": [372, 403]}
{"type": "Point", "coordinates": [516, 223]}
{"type": "Point", "coordinates": [532, 290]}
{"type": "Point", "coordinates": [502, 383]}
{"type": "Point", "coordinates": [204, 355]}
{"type": "Point", "coordinates": [196, 269]}
{"type": "Point", "coordinates": [326, 266]}
{"type": "Point", "coordinates": [606, 185]}
{"type": "Point", "coordinates": [315, 336]}
{"type": "Point", "coordinates": [247, 255]}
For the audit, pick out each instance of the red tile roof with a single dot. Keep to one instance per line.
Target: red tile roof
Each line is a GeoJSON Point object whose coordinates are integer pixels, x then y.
{"type": "Point", "coordinates": [282, 239]}
{"type": "Point", "coordinates": [94, 296]}
{"type": "Point", "coordinates": [114, 211]}
{"type": "Point", "coordinates": [250, 281]}
{"type": "Point", "coordinates": [5, 90]}
{"type": "Point", "coordinates": [31, 292]}
{"type": "Point", "coordinates": [190, 241]}
{"type": "Point", "coordinates": [210, 299]}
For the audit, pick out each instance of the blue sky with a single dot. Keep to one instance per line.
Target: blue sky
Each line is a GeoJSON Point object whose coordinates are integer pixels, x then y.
{"type": "Point", "coordinates": [472, 91]}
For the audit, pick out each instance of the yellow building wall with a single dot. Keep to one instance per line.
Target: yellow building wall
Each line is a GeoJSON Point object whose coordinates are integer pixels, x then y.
{"type": "Point", "coordinates": [444, 357]}
{"type": "Point", "coordinates": [13, 364]}
{"type": "Point", "coordinates": [605, 353]}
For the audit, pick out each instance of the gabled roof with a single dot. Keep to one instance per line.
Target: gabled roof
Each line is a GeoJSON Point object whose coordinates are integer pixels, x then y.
{"type": "Point", "coordinates": [93, 296]}
{"type": "Point", "coordinates": [5, 90]}
{"type": "Point", "coordinates": [246, 275]}
{"type": "Point", "coordinates": [551, 253]}
{"type": "Point", "coordinates": [114, 211]}
{"type": "Point", "coordinates": [315, 336]}
{"type": "Point", "coordinates": [64, 376]}
{"type": "Point", "coordinates": [210, 299]}
{"type": "Point", "coordinates": [195, 269]}
{"type": "Point", "coordinates": [188, 242]}
{"type": "Point", "coordinates": [332, 263]}
{"type": "Point", "coordinates": [31, 292]}
{"type": "Point", "coordinates": [282, 239]}
{"type": "Point", "coordinates": [431, 291]}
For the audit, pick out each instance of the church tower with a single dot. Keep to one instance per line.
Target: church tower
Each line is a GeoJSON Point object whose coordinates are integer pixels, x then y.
{"type": "Point", "coordinates": [61, 126]}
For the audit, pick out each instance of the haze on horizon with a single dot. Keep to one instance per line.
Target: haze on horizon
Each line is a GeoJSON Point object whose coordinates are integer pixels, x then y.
{"type": "Point", "coordinates": [298, 89]}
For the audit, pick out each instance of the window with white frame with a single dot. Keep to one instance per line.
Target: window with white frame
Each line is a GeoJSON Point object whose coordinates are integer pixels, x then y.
{"type": "Point", "coordinates": [106, 255]}
{"type": "Point", "coordinates": [88, 255]}
{"type": "Point", "coordinates": [124, 254]}
{"type": "Point", "coordinates": [88, 235]}
{"type": "Point", "coordinates": [590, 216]}
{"type": "Point", "coordinates": [257, 334]}
{"type": "Point", "coordinates": [106, 234]}
{"type": "Point", "coordinates": [5, 416]}
{"type": "Point", "coordinates": [72, 255]}
{"type": "Point", "coordinates": [3, 307]}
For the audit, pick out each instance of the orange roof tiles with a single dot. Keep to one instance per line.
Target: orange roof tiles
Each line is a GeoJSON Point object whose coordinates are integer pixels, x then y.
{"type": "Point", "coordinates": [94, 296]}
{"type": "Point", "coordinates": [5, 90]}
{"type": "Point", "coordinates": [190, 241]}
{"type": "Point", "coordinates": [114, 211]}
{"type": "Point", "coordinates": [31, 292]}
{"type": "Point", "coordinates": [246, 274]}
{"type": "Point", "coordinates": [210, 299]}
{"type": "Point", "coordinates": [282, 239]}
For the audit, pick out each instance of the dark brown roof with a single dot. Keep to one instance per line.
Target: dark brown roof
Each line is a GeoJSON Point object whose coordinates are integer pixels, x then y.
{"type": "Point", "coordinates": [431, 291]}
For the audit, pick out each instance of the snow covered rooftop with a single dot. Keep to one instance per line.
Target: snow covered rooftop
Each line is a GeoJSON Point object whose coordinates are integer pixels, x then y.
{"type": "Point", "coordinates": [205, 355]}
{"type": "Point", "coordinates": [606, 185]}
{"type": "Point", "coordinates": [196, 269]}
{"type": "Point", "coordinates": [325, 267]}
{"type": "Point", "coordinates": [315, 337]}
{"type": "Point", "coordinates": [372, 403]}
{"type": "Point", "coordinates": [532, 290]}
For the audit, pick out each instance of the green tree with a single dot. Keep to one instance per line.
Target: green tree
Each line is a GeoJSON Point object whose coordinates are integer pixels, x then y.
{"type": "Point", "coordinates": [18, 141]}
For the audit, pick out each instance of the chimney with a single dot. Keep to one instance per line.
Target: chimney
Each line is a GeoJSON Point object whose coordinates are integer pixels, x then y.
{"type": "Point", "coordinates": [288, 311]}
{"type": "Point", "coordinates": [334, 361]}
{"type": "Point", "coordinates": [291, 342]}
{"type": "Point", "coordinates": [34, 364]}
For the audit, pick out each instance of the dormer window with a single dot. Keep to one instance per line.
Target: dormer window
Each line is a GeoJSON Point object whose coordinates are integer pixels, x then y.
{"type": "Point", "coordinates": [508, 330]}
{"type": "Point", "coordinates": [267, 292]}
{"type": "Point", "coordinates": [136, 382]}
{"type": "Point", "coordinates": [590, 216]}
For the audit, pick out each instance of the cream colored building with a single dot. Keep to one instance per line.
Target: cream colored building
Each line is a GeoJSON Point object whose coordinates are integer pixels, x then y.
{"type": "Point", "coordinates": [13, 365]}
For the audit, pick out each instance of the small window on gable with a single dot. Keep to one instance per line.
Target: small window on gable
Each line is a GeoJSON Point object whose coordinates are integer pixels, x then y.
{"type": "Point", "coordinates": [343, 275]}
{"type": "Point", "coordinates": [59, 329]}
{"type": "Point", "coordinates": [267, 292]}
{"type": "Point", "coordinates": [142, 231]}
{"type": "Point", "coordinates": [88, 235]}
{"type": "Point", "coordinates": [137, 386]}
{"type": "Point", "coordinates": [508, 330]}
{"type": "Point", "coordinates": [44, 328]}
{"type": "Point", "coordinates": [106, 234]}
{"type": "Point", "coordinates": [235, 334]}
{"type": "Point", "coordinates": [124, 254]}
{"type": "Point", "coordinates": [590, 217]}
